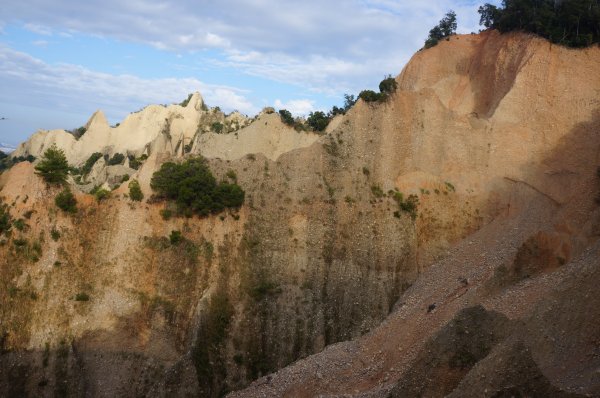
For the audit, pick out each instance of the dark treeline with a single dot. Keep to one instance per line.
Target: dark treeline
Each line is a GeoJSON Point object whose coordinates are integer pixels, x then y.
{"type": "Point", "coordinates": [574, 23]}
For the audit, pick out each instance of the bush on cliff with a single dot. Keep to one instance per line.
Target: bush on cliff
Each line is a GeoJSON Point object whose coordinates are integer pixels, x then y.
{"type": "Point", "coordinates": [444, 29]}
{"type": "Point", "coordinates": [66, 201]}
{"type": "Point", "coordinates": [53, 167]}
{"type": "Point", "coordinates": [194, 189]}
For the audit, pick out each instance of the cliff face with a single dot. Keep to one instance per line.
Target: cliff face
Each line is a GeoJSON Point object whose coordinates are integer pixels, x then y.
{"type": "Point", "coordinates": [497, 135]}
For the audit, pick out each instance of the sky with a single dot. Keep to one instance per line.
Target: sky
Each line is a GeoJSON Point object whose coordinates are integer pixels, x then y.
{"type": "Point", "coordinates": [62, 60]}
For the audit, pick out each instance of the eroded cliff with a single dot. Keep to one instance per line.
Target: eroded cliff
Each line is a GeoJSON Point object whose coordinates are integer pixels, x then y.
{"type": "Point", "coordinates": [497, 135]}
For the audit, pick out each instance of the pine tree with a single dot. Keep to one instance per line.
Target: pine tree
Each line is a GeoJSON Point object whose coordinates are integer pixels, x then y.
{"type": "Point", "coordinates": [53, 167]}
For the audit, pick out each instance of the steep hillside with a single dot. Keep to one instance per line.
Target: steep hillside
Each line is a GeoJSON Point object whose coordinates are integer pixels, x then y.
{"type": "Point", "coordinates": [497, 136]}
{"type": "Point", "coordinates": [509, 311]}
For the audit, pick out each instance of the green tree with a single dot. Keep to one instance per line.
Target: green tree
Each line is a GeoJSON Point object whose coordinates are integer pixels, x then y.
{"type": "Point", "coordinates": [286, 117]}
{"type": "Point", "coordinates": [90, 162]}
{"type": "Point", "coordinates": [444, 29]}
{"type": "Point", "coordinates": [53, 167]}
{"type": "Point", "coordinates": [349, 101]}
{"type": "Point", "coordinates": [489, 15]}
{"type": "Point", "coordinates": [135, 192]}
{"type": "Point", "coordinates": [388, 85]}
{"type": "Point", "coordinates": [66, 201]}
{"type": "Point", "coordinates": [574, 23]}
{"type": "Point", "coordinates": [194, 189]}
{"type": "Point", "coordinates": [318, 121]}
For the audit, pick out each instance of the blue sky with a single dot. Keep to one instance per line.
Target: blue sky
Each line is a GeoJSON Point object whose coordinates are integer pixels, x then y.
{"type": "Point", "coordinates": [62, 60]}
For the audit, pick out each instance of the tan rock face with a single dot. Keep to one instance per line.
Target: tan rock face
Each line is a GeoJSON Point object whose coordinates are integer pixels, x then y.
{"type": "Point", "coordinates": [483, 129]}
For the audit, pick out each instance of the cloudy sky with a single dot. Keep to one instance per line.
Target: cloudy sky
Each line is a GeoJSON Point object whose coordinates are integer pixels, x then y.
{"type": "Point", "coordinates": [61, 60]}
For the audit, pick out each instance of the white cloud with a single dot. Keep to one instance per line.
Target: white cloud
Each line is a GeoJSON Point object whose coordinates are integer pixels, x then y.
{"type": "Point", "coordinates": [73, 86]}
{"type": "Point", "coordinates": [325, 46]}
{"type": "Point", "coordinates": [301, 107]}
{"type": "Point", "coordinates": [39, 29]}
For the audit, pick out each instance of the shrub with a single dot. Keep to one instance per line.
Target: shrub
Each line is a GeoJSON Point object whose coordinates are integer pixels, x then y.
{"type": "Point", "coordinates": [66, 201]}
{"type": "Point", "coordinates": [135, 192]}
{"type": "Point", "coordinates": [371, 96]}
{"type": "Point", "coordinates": [377, 191]}
{"type": "Point", "coordinates": [135, 163]}
{"type": "Point", "coordinates": [445, 29]}
{"type": "Point", "coordinates": [166, 214]}
{"type": "Point", "coordinates": [349, 101]}
{"type": "Point", "coordinates": [5, 219]}
{"type": "Point", "coordinates": [194, 188]}
{"type": "Point", "coordinates": [388, 85]}
{"type": "Point", "coordinates": [175, 238]}
{"type": "Point", "coordinates": [102, 194]}
{"type": "Point", "coordinates": [53, 167]}
{"type": "Point", "coordinates": [117, 158]}
{"type": "Point", "coordinates": [217, 127]}
{"type": "Point", "coordinates": [124, 177]}
{"type": "Point", "coordinates": [231, 175]}
{"type": "Point", "coordinates": [318, 121]}
{"type": "Point", "coordinates": [20, 224]}
{"type": "Point", "coordinates": [409, 205]}
{"type": "Point", "coordinates": [89, 164]}
{"type": "Point", "coordinates": [83, 296]}
{"type": "Point", "coordinates": [54, 234]}
{"type": "Point", "coordinates": [286, 117]}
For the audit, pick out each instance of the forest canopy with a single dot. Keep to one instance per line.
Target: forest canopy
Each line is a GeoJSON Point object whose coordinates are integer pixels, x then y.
{"type": "Point", "coordinates": [573, 23]}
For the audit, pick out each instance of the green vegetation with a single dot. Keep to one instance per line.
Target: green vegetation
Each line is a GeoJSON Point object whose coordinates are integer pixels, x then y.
{"type": "Point", "coordinates": [134, 162]}
{"type": "Point", "coordinates": [175, 238]}
{"type": "Point", "coordinates": [408, 205]}
{"type": "Point", "coordinates": [186, 101]}
{"type": "Point", "coordinates": [101, 194]}
{"type": "Point", "coordinates": [83, 296]}
{"type": "Point", "coordinates": [53, 167]}
{"type": "Point", "coordinates": [32, 252]}
{"type": "Point", "coordinates": [54, 234]}
{"type": "Point", "coordinates": [387, 87]}
{"type": "Point", "coordinates": [231, 175]}
{"type": "Point", "coordinates": [66, 201]}
{"type": "Point", "coordinates": [377, 191]}
{"type": "Point", "coordinates": [286, 117]}
{"type": "Point", "coordinates": [6, 162]}
{"type": "Point", "coordinates": [443, 30]}
{"type": "Point", "coordinates": [573, 23]}
{"type": "Point", "coordinates": [89, 164]}
{"type": "Point", "coordinates": [318, 121]}
{"type": "Point", "coordinates": [166, 214]}
{"type": "Point", "coordinates": [19, 224]}
{"type": "Point", "coordinates": [135, 192]}
{"type": "Point", "coordinates": [194, 189]}
{"type": "Point", "coordinates": [117, 158]}
{"type": "Point", "coordinates": [78, 132]}
{"type": "Point", "coordinates": [5, 219]}
{"type": "Point", "coordinates": [217, 127]}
